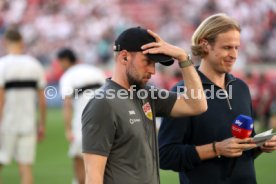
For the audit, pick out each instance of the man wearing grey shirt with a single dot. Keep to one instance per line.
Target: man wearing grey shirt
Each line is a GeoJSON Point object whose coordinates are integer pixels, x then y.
{"type": "Point", "coordinates": [118, 124]}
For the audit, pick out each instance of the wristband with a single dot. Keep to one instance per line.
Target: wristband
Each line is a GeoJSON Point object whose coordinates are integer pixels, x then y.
{"type": "Point", "coordinates": [186, 63]}
{"type": "Point", "coordinates": [215, 150]}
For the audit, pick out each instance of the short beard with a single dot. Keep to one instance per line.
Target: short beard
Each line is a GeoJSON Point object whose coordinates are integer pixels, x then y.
{"type": "Point", "coordinates": [134, 82]}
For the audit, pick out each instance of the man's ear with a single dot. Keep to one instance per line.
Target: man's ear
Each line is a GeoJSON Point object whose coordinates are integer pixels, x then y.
{"type": "Point", "coordinates": [204, 44]}
{"type": "Point", "coordinates": [123, 57]}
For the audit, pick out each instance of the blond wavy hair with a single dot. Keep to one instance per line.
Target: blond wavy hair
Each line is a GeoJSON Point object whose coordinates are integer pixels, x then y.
{"type": "Point", "coordinates": [209, 29]}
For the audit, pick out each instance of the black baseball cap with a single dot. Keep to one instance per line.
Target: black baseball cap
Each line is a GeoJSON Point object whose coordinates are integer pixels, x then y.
{"type": "Point", "coordinates": [132, 40]}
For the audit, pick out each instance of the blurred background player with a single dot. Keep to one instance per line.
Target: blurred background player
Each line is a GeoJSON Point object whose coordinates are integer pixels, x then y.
{"type": "Point", "coordinates": [21, 85]}
{"type": "Point", "coordinates": [77, 86]}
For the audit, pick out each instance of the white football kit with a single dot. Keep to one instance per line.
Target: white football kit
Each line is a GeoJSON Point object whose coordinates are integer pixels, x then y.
{"type": "Point", "coordinates": [80, 82]}
{"type": "Point", "coordinates": [20, 76]}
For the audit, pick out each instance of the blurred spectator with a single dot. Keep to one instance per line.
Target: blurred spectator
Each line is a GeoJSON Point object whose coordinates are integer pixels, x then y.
{"type": "Point", "coordinates": [272, 120]}
{"type": "Point", "coordinates": [266, 97]}
{"type": "Point", "coordinates": [91, 26]}
{"type": "Point", "coordinates": [252, 82]}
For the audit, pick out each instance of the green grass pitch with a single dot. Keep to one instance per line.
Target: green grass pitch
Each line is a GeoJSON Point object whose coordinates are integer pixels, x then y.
{"type": "Point", "coordinates": [54, 167]}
